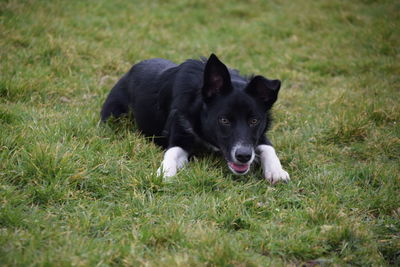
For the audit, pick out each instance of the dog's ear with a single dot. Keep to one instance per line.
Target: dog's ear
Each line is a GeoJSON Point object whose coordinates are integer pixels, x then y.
{"type": "Point", "coordinates": [264, 89]}
{"type": "Point", "coordinates": [216, 78]}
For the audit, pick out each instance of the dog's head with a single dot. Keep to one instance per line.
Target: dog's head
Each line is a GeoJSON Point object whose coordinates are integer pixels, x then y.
{"type": "Point", "coordinates": [235, 112]}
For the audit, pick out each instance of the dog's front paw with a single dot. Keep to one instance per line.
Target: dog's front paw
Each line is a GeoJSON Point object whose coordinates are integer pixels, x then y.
{"type": "Point", "coordinates": [274, 175]}
{"type": "Point", "coordinates": [273, 171]}
{"type": "Point", "coordinates": [167, 170]}
{"type": "Point", "coordinates": [174, 159]}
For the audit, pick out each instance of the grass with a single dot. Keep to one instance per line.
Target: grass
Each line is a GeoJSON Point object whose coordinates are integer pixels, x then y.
{"type": "Point", "coordinates": [74, 192]}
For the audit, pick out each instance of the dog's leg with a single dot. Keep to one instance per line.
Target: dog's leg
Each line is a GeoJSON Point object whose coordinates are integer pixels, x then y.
{"type": "Point", "coordinates": [271, 164]}
{"type": "Point", "coordinates": [180, 143]}
{"type": "Point", "coordinates": [174, 159]}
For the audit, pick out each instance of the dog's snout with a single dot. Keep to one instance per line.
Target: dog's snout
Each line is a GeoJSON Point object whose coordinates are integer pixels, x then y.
{"type": "Point", "coordinates": [243, 154]}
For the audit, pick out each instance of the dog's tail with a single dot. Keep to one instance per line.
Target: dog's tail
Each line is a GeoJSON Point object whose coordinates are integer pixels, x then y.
{"type": "Point", "coordinates": [112, 108]}
{"type": "Point", "coordinates": [117, 102]}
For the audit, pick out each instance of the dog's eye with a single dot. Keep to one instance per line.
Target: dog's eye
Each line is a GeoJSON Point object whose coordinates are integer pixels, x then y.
{"type": "Point", "coordinates": [253, 122]}
{"type": "Point", "coordinates": [224, 121]}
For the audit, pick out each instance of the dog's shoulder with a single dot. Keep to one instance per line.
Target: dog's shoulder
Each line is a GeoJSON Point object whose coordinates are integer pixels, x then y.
{"type": "Point", "coordinates": [191, 68]}
{"type": "Point", "coordinates": [188, 81]}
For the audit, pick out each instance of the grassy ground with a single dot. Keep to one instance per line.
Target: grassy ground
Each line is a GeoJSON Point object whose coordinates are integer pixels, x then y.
{"type": "Point", "coordinates": [75, 192]}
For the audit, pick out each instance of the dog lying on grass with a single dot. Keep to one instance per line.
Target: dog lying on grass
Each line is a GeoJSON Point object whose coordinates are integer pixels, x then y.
{"type": "Point", "coordinates": [200, 102]}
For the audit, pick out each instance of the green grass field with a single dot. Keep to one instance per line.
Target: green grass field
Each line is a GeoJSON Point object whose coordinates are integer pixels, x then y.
{"type": "Point", "coordinates": [74, 192]}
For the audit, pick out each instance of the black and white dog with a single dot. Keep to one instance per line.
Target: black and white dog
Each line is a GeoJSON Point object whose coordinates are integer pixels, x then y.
{"type": "Point", "coordinates": [200, 102]}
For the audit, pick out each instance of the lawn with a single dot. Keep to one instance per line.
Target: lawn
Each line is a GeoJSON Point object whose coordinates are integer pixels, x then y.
{"type": "Point", "coordinates": [75, 192]}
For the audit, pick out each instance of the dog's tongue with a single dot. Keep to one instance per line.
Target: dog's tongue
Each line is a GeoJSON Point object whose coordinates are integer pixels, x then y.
{"type": "Point", "coordinates": [239, 168]}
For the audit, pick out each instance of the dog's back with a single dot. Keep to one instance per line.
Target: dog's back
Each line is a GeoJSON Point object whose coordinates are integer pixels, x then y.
{"type": "Point", "coordinates": [138, 91]}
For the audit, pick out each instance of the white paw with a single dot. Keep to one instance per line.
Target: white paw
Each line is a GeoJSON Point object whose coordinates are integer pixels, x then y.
{"type": "Point", "coordinates": [273, 171]}
{"type": "Point", "coordinates": [275, 175]}
{"type": "Point", "coordinates": [167, 169]}
{"type": "Point", "coordinates": [174, 159]}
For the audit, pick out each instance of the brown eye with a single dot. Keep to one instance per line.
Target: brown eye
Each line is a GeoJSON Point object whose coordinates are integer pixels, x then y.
{"type": "Point", "coordinates": [224, 121]}
{"type": "Point", "coordinates": [253, 122]}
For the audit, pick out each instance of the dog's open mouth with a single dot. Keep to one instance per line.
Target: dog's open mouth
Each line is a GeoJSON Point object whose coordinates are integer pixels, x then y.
{"type": "Point", "coordinates": [239, 168]}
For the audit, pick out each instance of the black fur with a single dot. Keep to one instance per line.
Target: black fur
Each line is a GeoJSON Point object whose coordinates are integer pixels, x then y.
{"type": "Point", "coordinates": [196, 102]}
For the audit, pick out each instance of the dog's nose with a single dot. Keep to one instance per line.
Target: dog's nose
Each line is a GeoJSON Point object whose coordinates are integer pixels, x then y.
{"type": "Point", "coordinates": [243, 154]}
